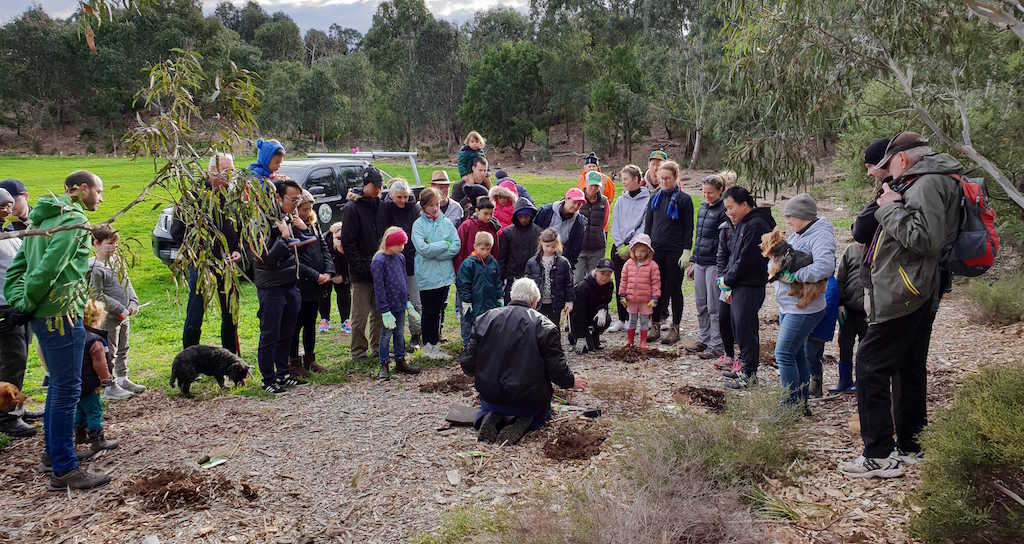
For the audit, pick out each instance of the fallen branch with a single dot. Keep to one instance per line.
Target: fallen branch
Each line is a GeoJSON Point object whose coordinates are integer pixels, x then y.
{"type": "Point", "coordinates": [1005, 491]}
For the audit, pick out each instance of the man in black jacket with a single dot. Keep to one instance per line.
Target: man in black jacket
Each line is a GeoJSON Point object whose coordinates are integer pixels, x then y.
{"type": "Point", "coordinates": [275, 274]}
{"type": "Point", "coordinates": [515, 354]}
{"type": "Point", "coordinates": [360, 239]}
{"type": "Point", "coordinates": [744, 278]}
{"type": "Point", "coordinates": [518, 242]}
{"type": "Point", "coordinates": [218, 179]}
{"type": "Point", "coordinates": [589, 315]}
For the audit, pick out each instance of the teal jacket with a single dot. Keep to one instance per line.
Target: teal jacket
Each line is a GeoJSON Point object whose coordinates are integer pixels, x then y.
{"type": "Point", "coordinates": [437, 243]}
{"type": "Point", "coordinates": [479, 284]}
{"type": "Point", "coordinates": [47, 277]}
{"type": "Point", "coordinates": [466, 157]}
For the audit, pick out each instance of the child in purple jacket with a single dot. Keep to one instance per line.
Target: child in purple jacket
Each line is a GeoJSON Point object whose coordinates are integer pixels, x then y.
{"type": "Point", "coordinates": [392, 292]}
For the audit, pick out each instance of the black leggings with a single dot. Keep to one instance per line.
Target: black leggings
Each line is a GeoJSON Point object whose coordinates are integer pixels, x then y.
{"type": "Point", "coordinates": [433, 313]}
{"type": "Point", "coordinates": [552, 312]}
{"type": "Point", "coordinates": [307, 323]}
{"type": "Point", "coordinates": [671, 287]}
{"type": "Point", "coordinates": [617, 265]}
{"type": "Point", "coordinates": [344, 293]}
{"type": "Point", "coordinates": [725, 328]}
{"type": "Point", "coordinates": [856, 325]}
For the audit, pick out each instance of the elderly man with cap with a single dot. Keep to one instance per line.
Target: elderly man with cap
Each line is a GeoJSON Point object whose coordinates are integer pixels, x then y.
{"type": "Point", "coordinates": [13, 343]}
{"type": "Point", "coordinates": [564, 216]}
{"type": "Point", "coordinates": [449, 208]}
{"type": "Point", "coordinates": [812, 235]}
{"type": "Point", "coordinates": [589, 316]}
{"type": "Point", "coordinates": [651, 175]}
{"type": "Point", "coordinates": [918, 219]}
{"type": "Point", "coordinates": [360, 240]}
{"type": "Point", "coordinates": [20, 207]}
{"type": "Point", "coordinates": [515, 354]}
{"type": "Point", "coordinates": [591, 164]}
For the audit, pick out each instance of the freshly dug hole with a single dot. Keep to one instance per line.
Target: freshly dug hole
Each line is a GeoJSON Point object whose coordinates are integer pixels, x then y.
{"type": "Point", "coordinates": [712, 399]}
{"type": "Point", "coordinates": [166, 490]}
{"type": "Point", "coordinates": [456, 383]}
{"type": "Point", "coordinates": [572, 442]}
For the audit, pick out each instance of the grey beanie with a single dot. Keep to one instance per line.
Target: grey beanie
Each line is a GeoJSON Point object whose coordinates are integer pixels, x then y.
{"type": "Point", "coordinates": [801, 206]}
{"type": "Point", "coordinates": [5, 197]}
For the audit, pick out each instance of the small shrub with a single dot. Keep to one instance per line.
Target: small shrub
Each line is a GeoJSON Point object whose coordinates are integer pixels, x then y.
{"type": "Point", "coordinates": [4, 441]}
{"type": "Point", "coordinates": [971, 446]}
{"type": "Point", "coordinates": [461, 524]}
{"type": "Point", "coordinates": [1002, 299]}
{"type": "Point", "coordinates": [90, 149]}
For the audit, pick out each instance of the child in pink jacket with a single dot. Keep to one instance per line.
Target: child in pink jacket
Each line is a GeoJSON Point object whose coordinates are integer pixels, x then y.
{"type": "Point", "coordinates": [640, 288]}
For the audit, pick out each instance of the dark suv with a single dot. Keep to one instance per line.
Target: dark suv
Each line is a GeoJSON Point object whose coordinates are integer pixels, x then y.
{"type": "Point", "coordinates": [329, 180]}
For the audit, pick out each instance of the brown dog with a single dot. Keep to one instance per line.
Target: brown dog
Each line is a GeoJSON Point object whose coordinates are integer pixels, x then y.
{"type": "Point", "coordinates": [783, 258]}
{"type": "Point", "coordinates": [10, 397]}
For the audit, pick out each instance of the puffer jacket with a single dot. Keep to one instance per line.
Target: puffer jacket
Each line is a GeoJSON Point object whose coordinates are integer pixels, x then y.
{"type": "Point", "coordinates": [826, 328]}
{"type": "Point", "coordinates": [437, 243]}
{"type": "Point", "coordinates": [641, 282]}
{"type": "Point", "coordinates": [389, 283]}
{"type": "Point", "coordinates": [518, 243]}
{"type": "Point", "coordinates": [628, 219]}
{"type": "Point", "coordinates": [314, 259]}
{"type": "Point", "coordinates": [360, 237]}
{"type": "Point", "coordinates": [390, 215]}
{"type": "Point", "coordinates": [276, 267]}
{"type": "Point", "coordinates": [515, 354]}
{"type": "Point", "coordinates": [912, 237]}
{"type": "Point", "coordinates": [705, 245]}
{"type": "Point", "coordinates": [91, 379]}
{"type": "Point", "coordinates": [851, 289]}
{"type": "Point", "coordinates": [819, 240]}
{"type": "Point", "coordinates": [746, 266]}
{"type": "Point", "coordinates": [596, 213]}
{"type": "Point", "coordinates": [479, 283]}
{"type": "Point", "coordinates": [561, 279]}
{"type": "Point", "coordinates": [724, 234]}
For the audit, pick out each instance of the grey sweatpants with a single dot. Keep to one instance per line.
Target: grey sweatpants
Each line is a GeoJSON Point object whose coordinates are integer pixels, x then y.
{"type": "Point", "coordinates": [117, 338]}
{"type": "Point", "coordinates": [586, 264]}
{"type": "Point", "coordinates": [414, 296]}
{"type": "Point", "coordinates": [706, 292]}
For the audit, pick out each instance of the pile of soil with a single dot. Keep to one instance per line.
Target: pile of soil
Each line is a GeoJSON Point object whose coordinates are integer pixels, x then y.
{"type": "Point", "coordinates": [712, 399]}
{"type": "Point", "coordinates": [572, 442]}
{"type": "Point", "coordinates": [457, 383]}
{"type": "Point", "coordinates": [169, 489]}
{"type": "Point", "coordinates": [633, 354]}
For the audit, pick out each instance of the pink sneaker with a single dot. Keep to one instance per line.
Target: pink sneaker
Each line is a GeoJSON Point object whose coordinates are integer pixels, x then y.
{"type": "Point", "coordinates": [724, 363]}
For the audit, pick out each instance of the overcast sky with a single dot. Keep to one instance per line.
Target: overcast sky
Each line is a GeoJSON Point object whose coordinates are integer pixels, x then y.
{"type": "Point", "coordinates": [307, 14]}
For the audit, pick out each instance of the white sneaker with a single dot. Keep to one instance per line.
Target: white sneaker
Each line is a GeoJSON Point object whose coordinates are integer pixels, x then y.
{"type": "Point", "coordinates": [131, 387]}
{"type": "Point", "coordinates": [863, 467]}
{"type": "Point", "coordinates": [912, 458]}
{"type": "Point", "coordinates": [440, 354]}
{"type": "Point", "coordinates": [428, 351]}
{"type": "Point", "coordinates": [617, 326]}
{"type": "Point", "coordinates": [115, 392]}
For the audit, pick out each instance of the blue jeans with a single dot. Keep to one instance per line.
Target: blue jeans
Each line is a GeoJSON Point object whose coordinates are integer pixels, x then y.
{"type": "Point", "coordinates": [63, 354]}
{"type": "Point", "coordinates": [791, 353]}
{"type": "Point", "coordinates": [398, 333]}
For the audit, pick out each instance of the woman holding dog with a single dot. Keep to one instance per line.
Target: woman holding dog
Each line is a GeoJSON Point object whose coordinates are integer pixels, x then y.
{"type": "Point", "coordinates": [799, 315]}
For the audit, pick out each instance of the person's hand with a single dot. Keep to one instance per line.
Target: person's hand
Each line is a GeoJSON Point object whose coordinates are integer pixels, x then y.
{"type": "Point", "coordinates": [579, 347]}
{"type": "Point", "coordinates": [132, 310]}
{"type": "Point", "coordinates": [652, 303]}
{"type": "Point", "coordinates": [298, 223]}
{"type": "Point", "coordinates": [689, 271]}
{"type": "Point", "coordinates": [580, 383]}
{"type": "Point", "coordinates": [623, 252]}
{"type": "Point", "coordinates": [602, 318]}
{"type": "Point", "coordinates": [720, 282]}
{"type": "Point", "coordinates": [501, 302]}
{"type": "Point", "coordinates": [235, 257]}
{"type": "Point", "coordinates": [284, 229]}
{"type": "Point", "coordinates": [787, 277]}
{"type": "Point", "coordinates": [389, 320]}
{"type": "Point", "coordinates": [842, 315]}
{"type": "Point", "coordinates": [122, 316]}
{"type": "Point", "coordinates": [624, 301]}
{"type": "Point", "coordinates": [323, 278]}
{"type": "Point", "coordinates": [466, 308]}
{"type": "Point", "coordinates": [568, 306]}
{"type": "Point", "coordinates": [337, 280]}
{"type": "Point", "coordinates": [888, 196]}
{"type": "Point", "coordinates": [683, 259]}
{"type": "Point", "coordinates": [412, 310]}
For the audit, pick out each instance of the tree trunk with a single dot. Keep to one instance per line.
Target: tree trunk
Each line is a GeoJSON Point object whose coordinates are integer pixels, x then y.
{"type": "Point", "coordinates": [565, 119]}
{"type": "Point", "coordinates": [408, 133]}
{"type": "Point", "coordinates": [696, 148]}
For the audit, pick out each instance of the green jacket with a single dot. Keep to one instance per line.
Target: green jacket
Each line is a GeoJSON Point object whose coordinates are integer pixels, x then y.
{"type": "Point", "coordinates": [912, 237]}
{"type": "Point", "coordinates": [48, 269]}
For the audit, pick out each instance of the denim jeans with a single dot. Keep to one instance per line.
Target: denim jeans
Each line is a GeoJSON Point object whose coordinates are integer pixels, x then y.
{"type": "Point", "coordinates": [398, 333]}
{"type": "Point", "coordinates": [63, 349]}
{"type": "Point", "coordinates": [791, 353]}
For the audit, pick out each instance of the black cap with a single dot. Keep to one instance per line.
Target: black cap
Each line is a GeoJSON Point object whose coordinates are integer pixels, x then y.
{"type": "Point", "coordinates": [13, 186]}
{"type": "Point", "coordinates": [500, 174]}
{"type": "Point", "coordinates": [875, 151]}
{"type": "Point", "coordinates": [899, 143]}
{"type": "Point", "coordinates": [605, 264]}
{"type": "Point", "coordinates": [372, 176]}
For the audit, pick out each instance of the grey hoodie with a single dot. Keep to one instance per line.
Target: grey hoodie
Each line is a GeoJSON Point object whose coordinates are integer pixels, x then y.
{"type": "Point", "coordinates": [628, 215]}
{"type": "Point", "coordinates": [8, 249]}
{"type": "Point", "coordinates": [118, 296]}
{"type": "Point", "coordinates": [819, 240]}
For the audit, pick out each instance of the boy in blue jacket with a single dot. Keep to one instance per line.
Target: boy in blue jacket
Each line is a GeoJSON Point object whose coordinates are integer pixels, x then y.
{"type": "Point", "coordinates": [821, 335]}
{"type": "Point", "coordinates": [478, 283]}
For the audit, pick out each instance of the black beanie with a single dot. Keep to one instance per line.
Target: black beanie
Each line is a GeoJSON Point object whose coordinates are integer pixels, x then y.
{"type": "Point", "coordinates": [874, 153]}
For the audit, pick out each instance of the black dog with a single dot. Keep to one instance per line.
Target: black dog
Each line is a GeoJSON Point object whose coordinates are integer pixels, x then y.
{"type": "Point", "coordinates": [209, 360]}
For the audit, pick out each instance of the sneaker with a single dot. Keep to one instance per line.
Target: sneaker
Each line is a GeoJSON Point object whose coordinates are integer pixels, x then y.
{"type": "Point", "coordinates": [911, 458]}
{"type": "Point", "coordinates": [78, 479]}
{"type": "Point", "coordinates": [324, 326]}
{"type": "Point", "coordinates": [488, 428]}
{"type": "Point", "coordinates": [441, 354]}
{"type": "Point", "coordinates": [415, 341]}
{"type": "Point", "coordinates": [273, 388]}
{"type": "Point", "coordinates": [734, 372]}
{"type": "Point", "coordinates": [514, 432]}
{"type": "Point", "coordinates": [128, 385]}
{"type": "Point", "coordinates": [708, 354]}
{"type": "Point", "coordinates": [741, 381]}
{"type": "Point", "coordinates": [291, 381]}
{"type": "Point", "coordinates": [346, 327]}
{"type": "Point", "coordinates": [724, 362]}
{"type": "Point", "coordinates": [617, 326]}
{"type": "Point", "coordinates": [115, 392]}
{"type": "Point", "coordinates": [864, 467]}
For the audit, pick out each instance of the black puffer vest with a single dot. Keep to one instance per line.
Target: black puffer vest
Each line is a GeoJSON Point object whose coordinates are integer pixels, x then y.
{"type": "Point", "coordinates": [705, 247]}
{"type": "Point", "coordinates": [594, 236]}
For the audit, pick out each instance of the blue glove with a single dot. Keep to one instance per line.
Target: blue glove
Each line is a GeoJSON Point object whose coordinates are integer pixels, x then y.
{"type": "Point", "coordinates": [389, 320]}
{"type": "Point", "coordinates": [501, 302]}
{"type": "Point", "coordinates": [787, 277]}
{"type": "Point", "coordinates": [412, 310]}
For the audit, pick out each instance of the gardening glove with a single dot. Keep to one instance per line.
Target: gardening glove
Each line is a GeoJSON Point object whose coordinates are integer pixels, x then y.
{"type": "Point", "coordinates": [652, 303]}
{"type": "Point", "coordinates": [389, 320]}
{"type": "Point", "coordinates": [602, 318]}
{"type": "Point", "coordinates": [579, 347]}
{"type": "Point", "coordinates": [501, 302]}
{"type": "Point", "coordinates": [623, 252]}
{"type": "Point", "coordinates": [721, 284]}
{"type": "Point", "coordinates": [842, 315]}
{"type": "Point", "coordinates": [466, 308]}
{"type": "Point", "coordinates": [683, 259]}
{"type": "Point", "coordinates": [787, 277]}
{"type": "Point", "coordinates": [624, 301]}
{"type": "Point", "coordinates": [412, 310]}
{"type": "Point", "coordinates": [568, 306]}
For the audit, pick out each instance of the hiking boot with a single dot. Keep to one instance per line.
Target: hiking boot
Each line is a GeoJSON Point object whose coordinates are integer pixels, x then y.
{"type": "Point", "coordinates": [273, 388]}
{"type": "Point", "coordinates": [512, 433]}
{"type": "Point", "coordinates": [291, 381]}
{"type": "Point", "coordinates": [734, 372]}
{"type": "Point", "coordinates": [617, 326]}
{"type": "Point", "coordinates": [78, 479]}
{"type": "Point", "coordinates": [866, 467]}
{"type": "Point", "coordinates": [82, 454]}
{"type": "Point", "coordinates": [98, 442]}
{"type": "Point", "coordinates": [709, 354]}
{"type": "Point", "coordinates": [695, 347]}
{"type": "Point", "coordinates": [403, 368]}
{"type": "Point", "coordinates": [30, 415]}
{"type": "Point", "coordinates": [385, 371]}
{"type": "Point", "coordinates": [673, 335]}
{"type": "Point", "coordinates": [116, 392]}
{"type": "Point", "coordinates": [14, 427]}
{"type": "Point", "coordinates": [295, 367]}
{"type": "Point", "coordinates": [655, 332]}
{"type": "Point", "coordinates": [742, 381]}
{"type": "Point", "coordinates": [130, 386]}
{"type": "Point", "coordinates": [81, 435]}
{"type": "Point", "coordinates": [814, 387]}
{"type": "Point", "coordinates": [488, 428]}
{"type": "Point", "coordinates": [309, 362]}
{"type": "Point", "coordinates": [907, 458]}
{"type": "Point", "coordinates": [415, 341]}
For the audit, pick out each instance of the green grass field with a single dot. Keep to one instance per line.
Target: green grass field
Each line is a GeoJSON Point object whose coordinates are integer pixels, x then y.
{"type": "Point", "coordinates": [156, 330]}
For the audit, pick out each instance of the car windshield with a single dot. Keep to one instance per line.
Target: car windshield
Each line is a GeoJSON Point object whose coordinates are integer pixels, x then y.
{"type": "Point", "coordinates": [294, 172]}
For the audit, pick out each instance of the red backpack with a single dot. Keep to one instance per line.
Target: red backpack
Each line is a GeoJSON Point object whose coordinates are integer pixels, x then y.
{"type": "Point", "coordinates": [977, 242]}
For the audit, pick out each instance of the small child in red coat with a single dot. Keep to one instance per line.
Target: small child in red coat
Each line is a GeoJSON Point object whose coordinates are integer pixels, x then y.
{"type": "Point", "coordinates": [640, 288]}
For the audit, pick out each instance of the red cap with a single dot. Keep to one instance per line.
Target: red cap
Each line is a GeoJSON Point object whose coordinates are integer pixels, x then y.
{"type": "Point", "coordinates": [396, 238]}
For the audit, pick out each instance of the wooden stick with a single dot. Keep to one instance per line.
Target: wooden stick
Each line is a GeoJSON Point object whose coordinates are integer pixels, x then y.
{"type": "Point", "coordinates": [1016, 498]}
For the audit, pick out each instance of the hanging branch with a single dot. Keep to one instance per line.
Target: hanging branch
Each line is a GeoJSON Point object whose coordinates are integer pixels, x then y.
{"type": "Point", "coordinates": [994, 14]}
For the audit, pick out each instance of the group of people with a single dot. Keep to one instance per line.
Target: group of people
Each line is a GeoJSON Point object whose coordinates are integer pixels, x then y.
{"type": "Point", "coordinates": [519, 271]}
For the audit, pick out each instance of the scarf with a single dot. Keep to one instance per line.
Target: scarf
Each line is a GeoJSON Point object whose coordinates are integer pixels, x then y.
{"type": "Point", "coordinates": [673, 209]}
